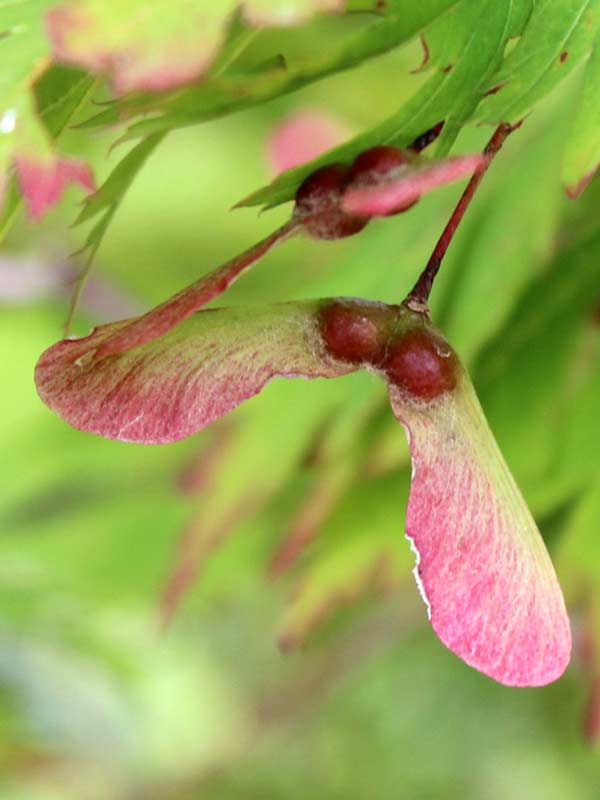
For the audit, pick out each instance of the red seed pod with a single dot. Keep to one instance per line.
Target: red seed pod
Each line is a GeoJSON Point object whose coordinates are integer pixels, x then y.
{"type": "Point", "coordinates": [318, 204]}
{"type": "Point", "coordinates": [373, 164]}
{"type": "Point", "coordinates": [355, 332]}
{"type": "Point", "coordinates": [421, 363]}
{"type": "Point", "coordinates": [376, 165]}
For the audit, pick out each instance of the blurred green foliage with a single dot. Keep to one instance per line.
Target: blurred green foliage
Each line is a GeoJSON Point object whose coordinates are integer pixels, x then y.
{"type": "Point", "coordinates": [96, 701]}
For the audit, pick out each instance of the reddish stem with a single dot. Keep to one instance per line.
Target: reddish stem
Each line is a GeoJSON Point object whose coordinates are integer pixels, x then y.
{"type": "Point", "coordinates": [419, 296]}
{"type": "Point", "coordinates": [427, 138]}
{"type": "Point", "coordinates": [161, 319]}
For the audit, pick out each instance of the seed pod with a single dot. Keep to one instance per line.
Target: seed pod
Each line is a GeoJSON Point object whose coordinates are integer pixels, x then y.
{"type": "Point", "coordinates": [318, 206]}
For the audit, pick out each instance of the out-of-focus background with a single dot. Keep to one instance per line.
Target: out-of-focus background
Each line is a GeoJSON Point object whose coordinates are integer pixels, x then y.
{"type": "Point", "coordinates": [324, 681]}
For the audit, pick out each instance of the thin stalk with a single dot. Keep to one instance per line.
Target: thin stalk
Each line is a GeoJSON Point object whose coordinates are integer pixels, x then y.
{"type": "Point", "coordinates": [427, 138]}
{"type": "Point", "coordinates": [418, 297]}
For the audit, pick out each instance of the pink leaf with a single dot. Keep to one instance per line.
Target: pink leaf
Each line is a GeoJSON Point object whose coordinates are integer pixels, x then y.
{"type": "Point", "coordinates": [302, 137]}
{"type": "Point", "coordinates": [137, 56]}
{"type": "Point", "coordinates": [155, 47]}
{"type": "Point", "coordinates": [406, 184]}
{"type": "Point", "coordinates": [176, 385]}
{"type": "Point", "coordinates": [43, 180]}
{"type": "Point", "coordinates": [491, 590]}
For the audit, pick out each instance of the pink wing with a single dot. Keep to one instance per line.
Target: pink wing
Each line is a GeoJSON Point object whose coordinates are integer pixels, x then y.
{"type": "Point", "coordinates": [490, 586]}
{"type": "Point", "coordinates": [173, 386]}
{"type": "Point", "coordinates": [406, 184]}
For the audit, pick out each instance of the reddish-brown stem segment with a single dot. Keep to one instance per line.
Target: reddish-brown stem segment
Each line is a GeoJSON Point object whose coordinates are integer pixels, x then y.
{"type": "Point", "coordinates": [419, 296]}
{"type": "Point", "coordinates": [173, 311]}
{"type": "Point", "coordinates": [425, 139]}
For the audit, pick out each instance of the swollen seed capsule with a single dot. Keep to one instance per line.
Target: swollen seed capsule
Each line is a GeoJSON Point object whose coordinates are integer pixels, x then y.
{"type": "Point", "coordinates": [372, 165]}
{"type": "Point", "coordinates": [422, 364]}
{"type": "Point", "coordinates": [322, 187]}
{"type": "Point", "coordinates": [376, 166]}
{"type": "Point", "coordinates": [318, 204]}
{"type": "Point", "coordinates": [353, 332]}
